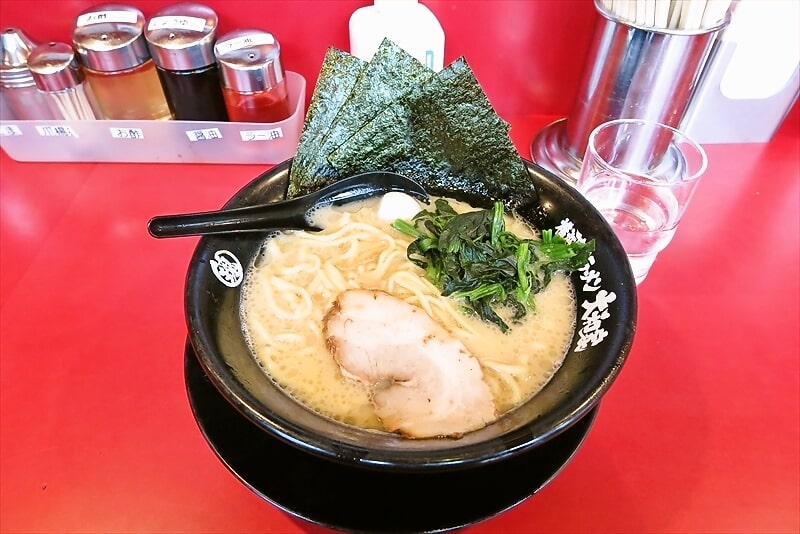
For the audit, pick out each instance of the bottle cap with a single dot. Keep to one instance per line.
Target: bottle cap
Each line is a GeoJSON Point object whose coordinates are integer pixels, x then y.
{"type": "Point", "coordinates": [14, 72]}
{"type": "Point", "coordinates": [181, 36]}
{"type": "Point", "coordinates": [249, 60]}
{"type": "Point", "coordinates": [55, 67]}
{"type": "Point", "coordinates": [108, 38]}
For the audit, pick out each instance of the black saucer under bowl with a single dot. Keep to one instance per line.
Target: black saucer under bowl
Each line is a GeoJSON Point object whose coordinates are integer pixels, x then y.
{"type": "Point", "coordinates": [354, 499]}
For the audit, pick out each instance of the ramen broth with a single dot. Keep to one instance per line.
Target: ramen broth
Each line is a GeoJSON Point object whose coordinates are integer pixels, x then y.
{"type": "Point", "coordinates": [298, 275]}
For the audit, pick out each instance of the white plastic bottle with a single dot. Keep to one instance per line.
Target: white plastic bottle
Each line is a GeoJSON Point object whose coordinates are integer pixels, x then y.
{"type": "Point", "coordinates": [411, 25]}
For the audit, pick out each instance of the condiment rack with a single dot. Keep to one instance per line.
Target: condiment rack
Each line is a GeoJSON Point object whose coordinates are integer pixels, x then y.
{"type": "Point", "coordinates": [168, 141]}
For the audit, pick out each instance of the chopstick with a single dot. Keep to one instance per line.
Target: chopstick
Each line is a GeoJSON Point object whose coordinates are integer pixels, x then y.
{"type": "Point", "coordinates": [670, 14]}
{"type": "Point", "coordinates": [714, 12]}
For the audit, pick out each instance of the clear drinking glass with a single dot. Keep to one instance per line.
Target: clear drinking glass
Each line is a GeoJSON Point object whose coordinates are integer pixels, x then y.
{"type": "Point", "coordinates": [641, 176]}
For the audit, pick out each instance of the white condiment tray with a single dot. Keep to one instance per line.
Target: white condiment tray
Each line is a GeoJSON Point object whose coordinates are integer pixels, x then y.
{"type": "Point", "coordinates": [167, 141]}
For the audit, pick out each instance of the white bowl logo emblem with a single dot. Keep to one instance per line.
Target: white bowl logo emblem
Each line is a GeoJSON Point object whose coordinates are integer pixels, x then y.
{"type": "Point", "coordinates": [591, 331]}
{"type": "Point", "coordinates": [226, 268]}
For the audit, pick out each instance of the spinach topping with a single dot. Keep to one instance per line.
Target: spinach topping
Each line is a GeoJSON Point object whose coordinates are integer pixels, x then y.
{"type": "Point", "coordinates": [472, 257]}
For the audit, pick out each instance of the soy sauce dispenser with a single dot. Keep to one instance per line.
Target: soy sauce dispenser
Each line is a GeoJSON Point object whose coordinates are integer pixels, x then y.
{"type": "Point", "coordinates": [181, 40]}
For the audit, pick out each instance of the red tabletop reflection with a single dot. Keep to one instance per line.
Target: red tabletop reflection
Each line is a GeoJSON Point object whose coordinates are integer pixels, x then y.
{"type": "Point", "coordinates": [699, 433]}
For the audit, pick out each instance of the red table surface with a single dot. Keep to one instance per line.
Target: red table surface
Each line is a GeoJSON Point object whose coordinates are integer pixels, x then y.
{"type": "Point", "coordinates": [699, 433]}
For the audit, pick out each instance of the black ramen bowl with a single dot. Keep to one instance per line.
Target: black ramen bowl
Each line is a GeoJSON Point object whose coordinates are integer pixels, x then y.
{"type": "Point", "coordinates": [604, 331]}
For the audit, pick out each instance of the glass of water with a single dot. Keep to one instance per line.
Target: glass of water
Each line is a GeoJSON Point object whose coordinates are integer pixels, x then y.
{"type": "Point", "coordinates": [641, 176]}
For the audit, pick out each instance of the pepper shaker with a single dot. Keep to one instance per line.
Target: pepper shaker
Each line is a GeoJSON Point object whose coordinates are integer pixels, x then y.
{"type": "Point", "coordinates": [59, 76]}
{"type": "Point", "coordinates": [181, 40]}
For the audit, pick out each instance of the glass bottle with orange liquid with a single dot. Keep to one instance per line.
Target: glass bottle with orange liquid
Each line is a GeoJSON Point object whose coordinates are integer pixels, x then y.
{"type": "Point", "coordinates": [253, 82]}
{"type": "Point", "coordinates": [110, 42]}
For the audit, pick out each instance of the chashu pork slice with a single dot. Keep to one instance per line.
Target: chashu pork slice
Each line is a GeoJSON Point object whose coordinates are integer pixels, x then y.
{"type": "Point", "coordinates": [425, 383]}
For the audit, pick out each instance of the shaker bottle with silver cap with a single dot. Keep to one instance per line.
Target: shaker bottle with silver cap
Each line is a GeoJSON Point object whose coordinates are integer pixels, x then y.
{"type": "Point", "coordinates": [181, 40]}
{"type": "Point", "coordinates": [21, 97]}
{"type": "Point", "coordinates": [59, 75]}
{"type": "Point", "coordinates": [253, 82]}
{"type": "Point", "coordinates": [110, 42]}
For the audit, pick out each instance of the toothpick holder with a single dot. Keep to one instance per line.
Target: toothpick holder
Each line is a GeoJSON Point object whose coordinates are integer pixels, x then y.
{"type": "Point", "coordinates": [631, 72]}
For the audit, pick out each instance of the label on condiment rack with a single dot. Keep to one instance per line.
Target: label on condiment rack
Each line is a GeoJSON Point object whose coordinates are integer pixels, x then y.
{"type": "Point", "coordinates": [106, 16]}
{"type": "Point", "coordinates": [204, 135]}
{"type": "Point", "coordinates": [56, 131]}
{"type": "Point", "coordinates": [245, 41]}
{"type": "Point", "coordinates": [9, 130]}
{"type": "Point", "coordinates": [195, 24]}
{"type": "Point", "coordinates": [261, 135]}
{"type": "Point", "coordinates": [127, 133]}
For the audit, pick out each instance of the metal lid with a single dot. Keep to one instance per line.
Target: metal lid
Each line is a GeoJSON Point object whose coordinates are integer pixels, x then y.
{"type": "Point", "coordinates": [55, 67]}
{"type": "Point", "coordinates": [181, 36]}
{"type": "Point", "coordinates": [249, 60]}
{"type": "Point", "coordinates": [109, 37]}
{"type": "Point", "coordinates": [14, 71]}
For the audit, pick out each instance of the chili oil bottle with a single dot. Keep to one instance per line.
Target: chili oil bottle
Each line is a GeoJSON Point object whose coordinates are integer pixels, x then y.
{"type": "Point", "coordinates": [253, 82]}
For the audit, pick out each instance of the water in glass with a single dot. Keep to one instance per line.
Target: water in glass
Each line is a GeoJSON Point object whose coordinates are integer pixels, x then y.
{"type": "Point", "coordinates": [644, 218]}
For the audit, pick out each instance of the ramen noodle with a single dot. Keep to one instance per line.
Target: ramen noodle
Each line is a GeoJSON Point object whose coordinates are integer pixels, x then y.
{"type": "Point", "coordinates": [297, 276]}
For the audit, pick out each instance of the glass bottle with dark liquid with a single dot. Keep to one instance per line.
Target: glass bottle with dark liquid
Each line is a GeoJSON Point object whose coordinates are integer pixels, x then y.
{"type": "Point", "coordinates": [253, 82]}
{"type": "Point", "coordinates": [181, 41]}
{"type": "Point", "coordinates": [110, 43]}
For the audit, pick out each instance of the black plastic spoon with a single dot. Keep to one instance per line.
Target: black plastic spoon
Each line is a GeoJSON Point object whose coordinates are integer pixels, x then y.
{"type": "Point", "coordinates": [287, 214]}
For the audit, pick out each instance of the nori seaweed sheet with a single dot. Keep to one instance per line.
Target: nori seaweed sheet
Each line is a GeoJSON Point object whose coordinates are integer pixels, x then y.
{"type": "Point", "coordinates": [446, 135]}
{"type": "Point", "coordinates": [394, 114]}
{"type": "Point", "coordinates": [388, 75]}
{"type": "Point", "coordinates": [337, 76]}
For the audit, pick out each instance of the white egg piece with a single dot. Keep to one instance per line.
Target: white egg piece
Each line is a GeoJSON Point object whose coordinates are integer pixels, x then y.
{"type": "Point", "coordinates": [396, 205]}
